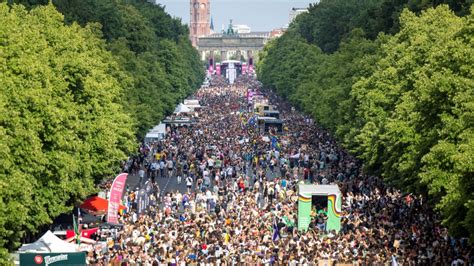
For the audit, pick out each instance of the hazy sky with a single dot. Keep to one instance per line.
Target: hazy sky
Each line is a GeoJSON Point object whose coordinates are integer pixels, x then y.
{"type": "Point", "coordinates": [260, 15]}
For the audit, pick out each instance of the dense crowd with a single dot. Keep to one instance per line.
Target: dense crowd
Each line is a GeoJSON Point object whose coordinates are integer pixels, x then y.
{"type": "Point", "coordinates": [238, 202]}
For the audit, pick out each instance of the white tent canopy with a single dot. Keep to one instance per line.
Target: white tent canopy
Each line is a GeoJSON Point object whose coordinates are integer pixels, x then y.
{"type": "Point", "coordinates": [161, 129]}
{"type": "Point", "coordinates": [157, 133]}
{"type": "Point", "coordinates": [152, 135]}
{"type": "Point", "coordinates": [181, 108]}
{"type": "Point", "coordinates": [193, 107]}
{"type": "Point", "coordinates": [48, 243]}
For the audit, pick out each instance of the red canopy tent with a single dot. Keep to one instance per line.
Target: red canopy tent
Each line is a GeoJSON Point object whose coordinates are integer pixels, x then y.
{"type": "Point", "coordinates": [98, 205]}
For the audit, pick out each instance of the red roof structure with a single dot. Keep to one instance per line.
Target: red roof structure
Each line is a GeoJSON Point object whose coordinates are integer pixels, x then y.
{"type": "Point", "coordinates": [98, 205]}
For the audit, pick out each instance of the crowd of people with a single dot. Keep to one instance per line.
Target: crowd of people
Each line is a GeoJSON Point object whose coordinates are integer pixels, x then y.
{"type": "Point", "coordinates": [236, 201]}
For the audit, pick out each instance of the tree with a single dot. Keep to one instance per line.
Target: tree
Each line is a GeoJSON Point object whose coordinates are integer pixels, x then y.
{"type": "Point", "coordinates": [417, 109]}
{"type": "Point", "coordinates": [283, 64]}
{"type": "Point", "coordinates": [329, 22]}
{"type": "Point", "coordinates": [66, 129]}
{"type": "Point", "coordinates": [402, 103]}
{"type": "Point", "coordinates": [326, 93]}
{"type": "Point", "coordinates": [152, 47]}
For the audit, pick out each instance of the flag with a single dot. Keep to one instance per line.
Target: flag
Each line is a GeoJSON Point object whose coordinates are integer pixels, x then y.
{"type": "Point", "coordinates": [79, 222]}
{"type": "Point", "coordinates": [76, 230]}
{"type": "Point", "coordinates": [276, 231]}
{"type": "Point", "coordinates": [274, 142]}
{"type": "Point", "coordinates": [74, 224]}
{"type": "Point", "coordinates": [226, 238]}
{"type": "Point", "coordinates": [252, 120]}
{"type": "Point", "coordinates": [116, 197]}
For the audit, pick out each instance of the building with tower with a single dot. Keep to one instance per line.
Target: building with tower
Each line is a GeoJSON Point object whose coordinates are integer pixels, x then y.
{"type": "Point", "coordinates": [200, 24]}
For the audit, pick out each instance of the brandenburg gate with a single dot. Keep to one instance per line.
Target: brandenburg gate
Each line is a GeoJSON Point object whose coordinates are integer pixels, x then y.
{"type": "Point", "coordinates": [232, 46]}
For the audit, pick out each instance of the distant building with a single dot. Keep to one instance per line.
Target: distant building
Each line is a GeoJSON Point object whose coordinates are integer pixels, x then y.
{"type": "Point", "coordinates": [239, 29]}
{"type": "Point", "coordinates": [230, 45]}
{"type": "Point", "coordinates": [295, 11]}
{"type": "Point", "coordinates": [275, 33]}
{"type": "Point", "coordinates": [200, 24]}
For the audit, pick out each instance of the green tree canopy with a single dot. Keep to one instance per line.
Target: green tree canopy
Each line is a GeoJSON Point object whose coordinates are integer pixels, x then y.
{"type": "Point", "coordinates": [403, 103]}
{"type": "Point", "coordinates": [331, 21]}
{"type": "Point", "coordinates": [63, 127]}
{"type": "Point", "coordinates": [418, 107]}
{"type": "Point", "coordinates": [285, 61]}
{"type": "Point", "coordinates": [328, 22]}
{"type": "Point", "coordinates": [153, 49]}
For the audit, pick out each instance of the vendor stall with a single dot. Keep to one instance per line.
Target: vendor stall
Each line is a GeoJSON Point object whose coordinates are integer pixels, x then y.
{"type": "Point", "coordinates": [50, 249]}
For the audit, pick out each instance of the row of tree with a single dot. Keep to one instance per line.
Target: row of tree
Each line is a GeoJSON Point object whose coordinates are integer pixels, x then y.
{"type": "Point", "coordinates": [396, 87]}
{"type": "Point", "coordinates": [78, 86]}
{"type": "Point", "coordinates": [151, 47]}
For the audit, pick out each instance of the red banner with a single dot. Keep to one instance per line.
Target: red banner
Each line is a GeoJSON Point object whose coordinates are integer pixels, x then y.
{"type": "Point", "coordinates": [116, 197]}
{"type": "Point", "coordinates": [85, 233]}
{"type": "Point", "coordinates": [218, 69]}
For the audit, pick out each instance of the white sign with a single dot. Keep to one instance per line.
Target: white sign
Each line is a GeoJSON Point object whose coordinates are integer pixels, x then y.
{"type": "Point", "coordinates": [50, 260]}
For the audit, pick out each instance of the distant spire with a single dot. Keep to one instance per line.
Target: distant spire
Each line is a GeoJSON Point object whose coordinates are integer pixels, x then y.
{"type": "Point", "coordinates": [212, 24]}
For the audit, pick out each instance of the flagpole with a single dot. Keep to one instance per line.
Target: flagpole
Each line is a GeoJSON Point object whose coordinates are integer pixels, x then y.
{"type": "Point", "coordinates": [79, 221]}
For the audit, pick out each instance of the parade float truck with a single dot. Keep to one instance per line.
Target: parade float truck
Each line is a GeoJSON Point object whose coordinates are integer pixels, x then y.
{"type": "Point", "coordinates": [319, 196]}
